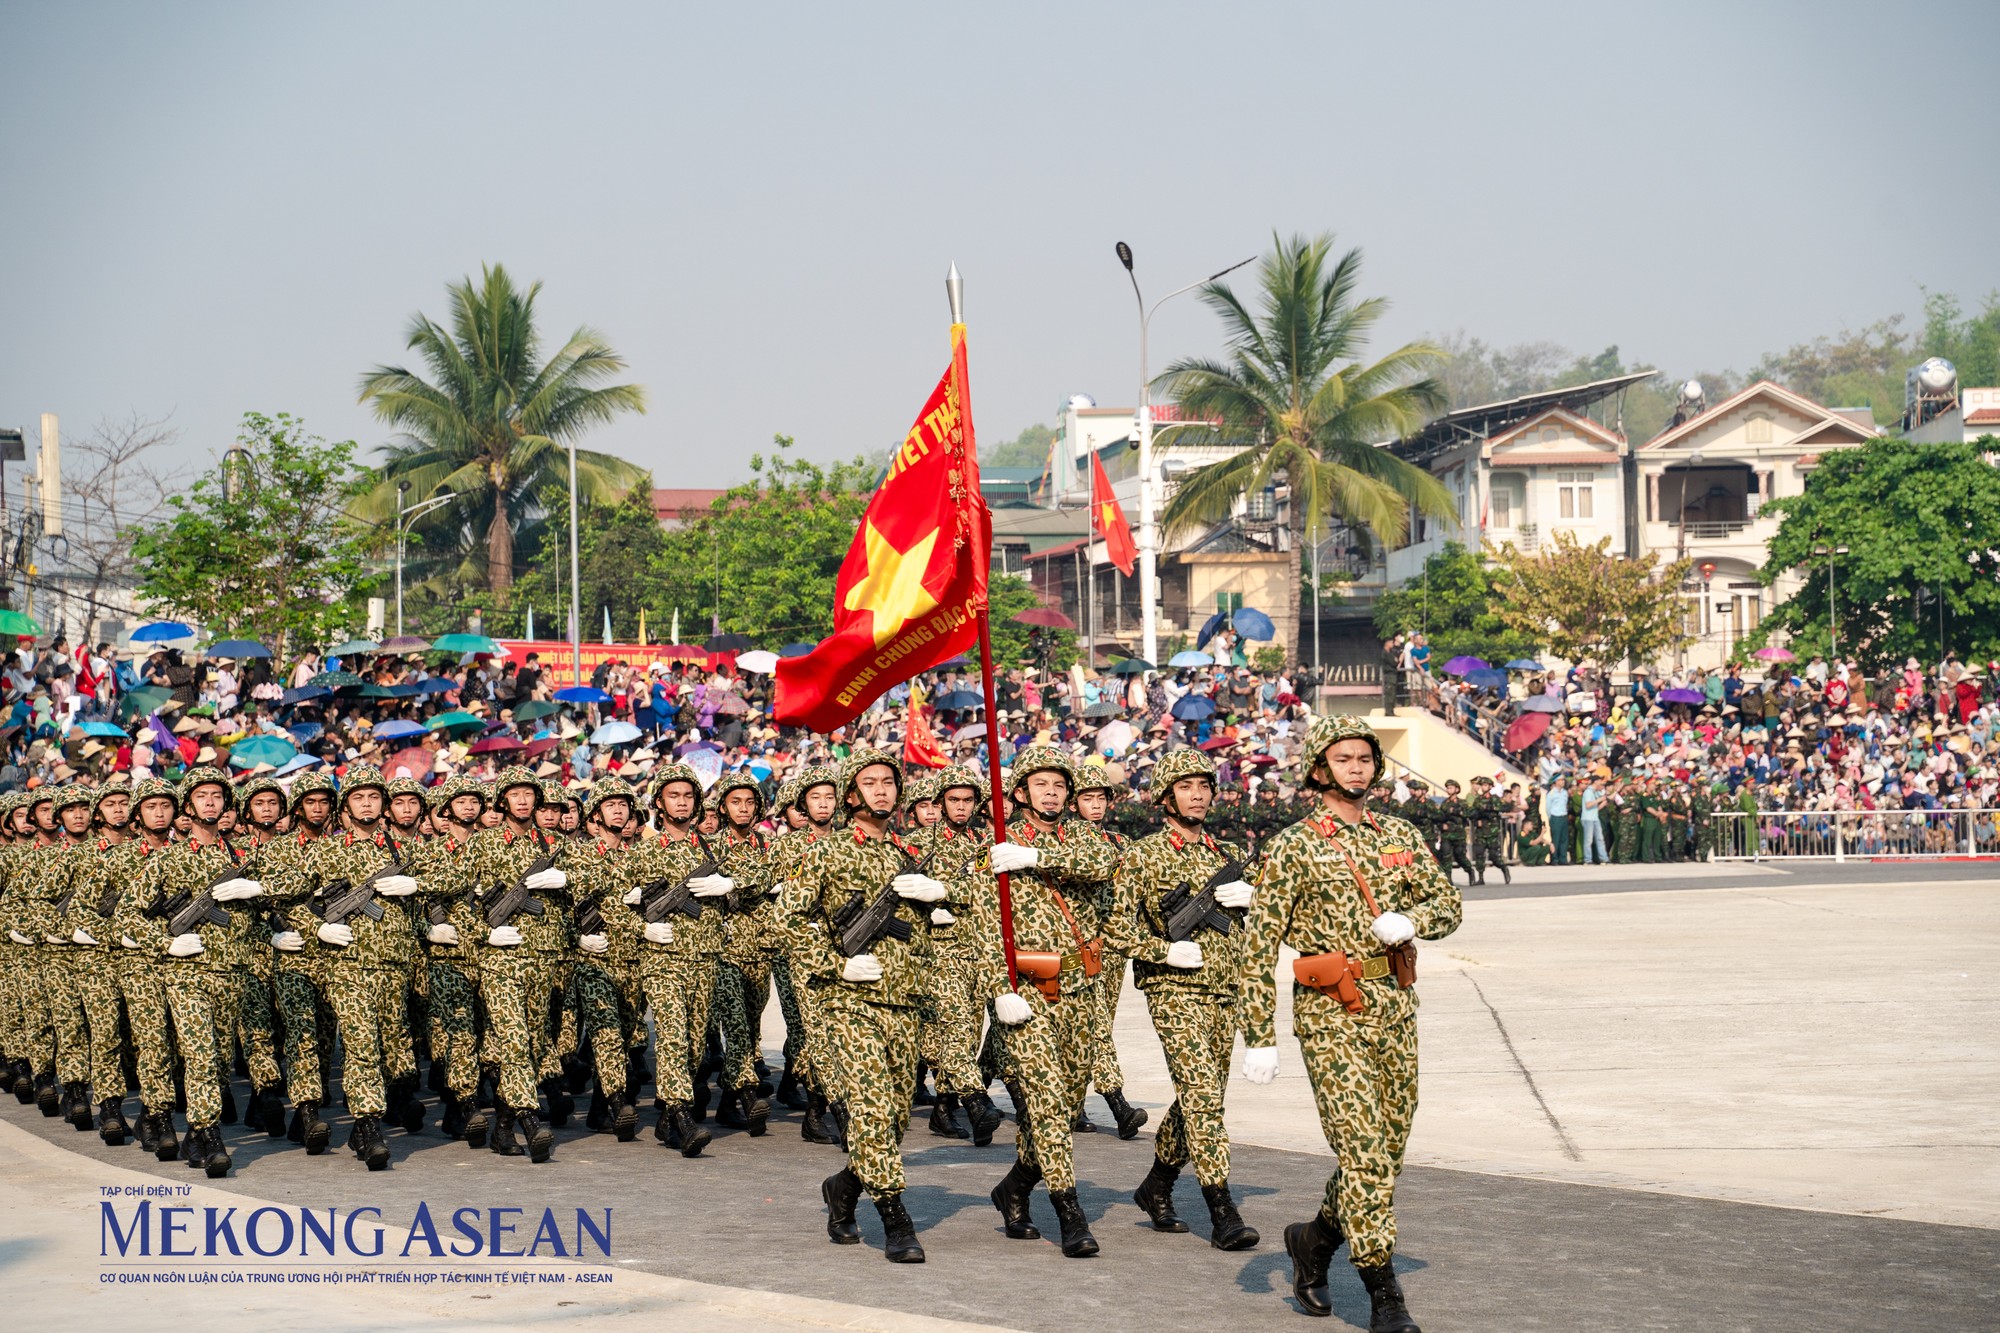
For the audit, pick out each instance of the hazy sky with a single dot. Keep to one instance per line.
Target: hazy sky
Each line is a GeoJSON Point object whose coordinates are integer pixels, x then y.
{"type": "Point", "coordinates": [212, 207]}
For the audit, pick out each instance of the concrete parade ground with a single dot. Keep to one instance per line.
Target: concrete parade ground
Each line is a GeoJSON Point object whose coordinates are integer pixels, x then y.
{"type": "Point", "coordinates": [1653, 1097]}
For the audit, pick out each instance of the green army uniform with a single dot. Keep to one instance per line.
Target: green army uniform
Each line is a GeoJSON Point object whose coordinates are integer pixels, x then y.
{"type": "Point", "coordinates": [96, 965]}
{"type": "Point", "coordinates": [743, 980]}
{"type": "Point", "coordinates": [1452, 823]}
{"type": "Point", "coordinates": [786, 850]}
{"type": "Point", "coordinates": [1362, 1066]}
{"type": "Point", "coordinates": [818, 1073]}
{"type": "Point", "coordinates": [1701, 816]}
{"type": "Point", "coordinates": [1625, 843]}
{"type": "Point", "coordinates": [1105, 1074]}
{"type": "Point", "coordinates": [136, 972]}
{"type": "Point", "coordinates": [16, 1029]}
{"type": "Point", "coordinates": [1677, 825]}
{"type": "Point", "coordinates": [1193, 1009]}
{"type": "Point", "coordinates": [950, 1040]}
{"type": "Point", "coordinates": [1652, 825]}
{"type": "Point", "coordinates": [452, 965]}
{"type": "Point", "coordinates": [83, 1012]}
{"type": "Point", "coordinates": [1533, 853]}
{"type": "Point", "coordinates": [299, 979]}
{"type": "Point", "coordinates": [560, 1054]}
{"type": "Point", "coordinates": [606, 1013]}
{"type": "Point", "coordinates": [31, 918]}
{"type": "Point", "coordinates": [1489, 828]}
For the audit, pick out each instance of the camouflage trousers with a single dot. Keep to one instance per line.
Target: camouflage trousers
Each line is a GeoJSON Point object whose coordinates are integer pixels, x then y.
{"type": "Point", "coordinates": [788, 1009]}
{"type": "Point", "coordinates": [875, 1048]}
{"type": "Point", "coordinates": [89, 1042]}
{"type": "Point", "coordinates": [602, 1023]}
{"type": "Point", "coordinates": [1197, 1030]}
{"type": "Point", "coordinates": [308, 1024]}
{"type": "Point", "coordinates": [152, 1042]}
{"type": "Point", "coordinates": [1364, 1078]}
{"type": "Point", "coordinates": [1047, 1060]}
{"type": "Point", "coordinates": [950, 1040]}
{"type": "Point", "coordinates": [242, 1009]}
{"type": "Point", "coordinates": [808, 1062]}
{"type": "Point", "coordinates": [1105, 1075]}
{"type": "Point", "coordinates": [38, 1033]}
{"type": "Point", "coordinates": [742, 990]}
{"type": "Point", "coordinates": [565, 1036]}
{"type": "Point", "coordinates": [679, 990]}
{"type": "Point", "coordinates": [374, 1033]}
{"type": "Point", "coordinates": [185, 987]}
{"type": "Point", "coordinates": [515, 990]}
{"type": "Point", "coordinates": [453, 1015]}
{"type": "Point", "coordinates": [13, 1044]}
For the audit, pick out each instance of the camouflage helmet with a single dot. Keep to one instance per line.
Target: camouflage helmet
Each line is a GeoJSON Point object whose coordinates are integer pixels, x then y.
{"type": "Point", "coordinates": [154, 787]}
{"type": "Point", "coordinates": [307, 783]}
{"type": "Point", "coordinates": [41, 795]}
{"type": "Point", "coordinates": [1186, 762]}
{"type": "Point", "coordinates": [960, 775]}
{"type": "Point", "coordinates": [205, 776]}
{"type": "Point", "coordinates": [360, 777]}
{"type": "Point", "coordinates": [116, 785]}
{"type": "Point", "coordinates": [552, 794]}
{"type": "Point", "coordinates": [820, 775]}
{"type": "Point", "coordinates": [1326, 732]}
{"type": "Point", "coordinates": [918, 788]}
{"type": "Point", "coordinates": [1092, 777]}
{"type": "Point", "coordinates": [788, 794]}
{"type": "Point", "coordinates": [864, 757]}
{"type": "Point", "coordinates": [256, 785]}
{"type": "Point", "coordinates": [1040, 759]}
{"type": "Point", "coordinates": [406, 787]}
{"type": "Point", "coordinates": [666, 775]}
{"type": "Point", "coordinates": [608, 789]}
{"type": "Point", "coordinates": [515, 775]}
{"type": "Point", "coordinates": [70, 794]}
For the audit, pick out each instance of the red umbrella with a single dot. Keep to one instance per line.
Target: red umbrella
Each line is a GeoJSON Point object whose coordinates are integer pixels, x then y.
{"type": "Point", "coordinates": [1525, 730]}
{"type": "Point", "coordinates": [1046, 617]}
{"type": "Point", "coordinates": [540, 747]}
{"type": "Point", "coordinates": [415, 762]}
{"type": "Point", "coordinates": [495, 745]}
{"type": "Point", "coordinates": [1260, 760]}
{"type": "Point", "coordinates": [1218, 743]}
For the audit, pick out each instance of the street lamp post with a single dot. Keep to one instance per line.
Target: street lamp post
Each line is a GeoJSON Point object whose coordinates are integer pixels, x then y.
{"type": "Point", "coordinates": [1149, 594]}
{"type": "Point", "coordinates": [403, 516]}
{"type": "Point", "coordinates": [1832, 608]}
{"type": "Point", "coordinates": [575, 595]}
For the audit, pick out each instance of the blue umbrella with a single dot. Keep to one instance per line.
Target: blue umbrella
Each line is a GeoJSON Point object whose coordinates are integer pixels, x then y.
{"type": "Point", "coordinates": [271, 750]}
{"type": "Point", "coordinates": [397, 730]}
{"type": "Point", "coordinates": [1208, 629]}
{"type": "Point", "coordinates": [237, 648]}
{"type": "Point", "coordinates": [160, 631]}
{"type": "Point", "coordinates": [1253, 624]}
{"type": "Point", "coordinates": [408, 689]}
{"type": "Point", "coordinates": [796, 649]}
{"type": "Point", "coordinates": [1524, 664]}
{"type": "Point", "coordinates": [297, 762]}
{"type": "Point", "coordinates": [305, 694]}
{"type": "Point", "coordinates": [1541, 703]}
{"type": "Point", "coordinates": [1190, 658]}
{"type": "Point", "coordinates": [305, 733]}
{"type": "Point", "coordinates": [582, 694]}
{"type": "Point", "coordinates": [1488, 678]}
{"type": "Point", "coordinates": [958, 699]}
{"type": "Point", "coordinates": [1194, 707]}
{"type": "Point", "coordinates": [614, 733]}
{"type": "Point", "coordinates": [436, 685]}
{"type": "Point", "coordinates": [102, 729]}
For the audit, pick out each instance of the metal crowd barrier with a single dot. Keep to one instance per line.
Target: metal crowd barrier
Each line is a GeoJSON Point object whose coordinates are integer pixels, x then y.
{"type": "Point", "coordinates": [1840, 835]}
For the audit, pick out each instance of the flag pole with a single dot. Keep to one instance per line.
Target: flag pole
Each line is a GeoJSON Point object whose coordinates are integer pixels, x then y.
{"type": "Point", "coordinates": [954, 287]}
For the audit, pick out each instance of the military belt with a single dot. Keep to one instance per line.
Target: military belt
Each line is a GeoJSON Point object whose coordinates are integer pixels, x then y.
{"type": "Point", "coordinates": [1373, 968]}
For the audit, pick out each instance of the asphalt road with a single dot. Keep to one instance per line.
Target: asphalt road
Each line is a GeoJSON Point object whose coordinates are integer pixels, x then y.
{"type": "Point", "coordinates": [1569, 881]}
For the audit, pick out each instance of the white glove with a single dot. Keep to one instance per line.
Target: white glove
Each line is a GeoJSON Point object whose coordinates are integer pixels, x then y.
{"type": "Point", "coordinates": [18, 937]}
{"type": "Point", "coordinates": [185, 946]}
{"type": "Point", "coordinates": [336, 934]}
{"type": "Point", "coordinates": [594, 943]}
{"type": "Point", "coordinates": [1184, 954]}
{"type": "Point", "coordinates": [230, 890]}
{"type": "Point", "coordinates": [288, 941]}
{"type": "Point", "coordinates": [632, 897]}
{"type": "Point", "coordinates": [917, 888]}
{"type": "Point", "coordinates": [1012, 1010]}
{"type": "Point", "coordinates": [396, 886]}
{"type": "Point", "coordinates": [128, 941]}
{"type": "Point", "coordinates": [442, 933]}
{"type": "Point", "coordinates": [81, 936]}
{"type": "Point", "coordinates": [776, 888]}
{"type": "Point", "coordinates": [862, 968]}
{"type": "Point", "coordinates": [711, 886]}
{"type": "Point", "coordinates": [505, 937]}
{"type": "Point", "coordinates": [941, 916]}
{"type": "Point", "coordinates": [1011, 856]}
{"type": "Point", "coordinates": [659, 932]}
{"type": "Point", "coordinates": [56, 939]}
{"type": "Point", "coordinates": [1236, 893]}
{"type": "Point", "coordinates": [1260, 1064]}
{"type": "Point", "coordinates": [546, 879]}
{"type": "Point", "coordinates": [1393, 928]}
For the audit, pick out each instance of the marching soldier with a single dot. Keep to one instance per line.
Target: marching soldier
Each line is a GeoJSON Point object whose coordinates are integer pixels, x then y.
{"type": "Point", "coordinates": [1092, 802]}
{"type": "Point", "coordinates": [1453, 822]}
{"type": "Point", "coordinates": [138, 971]}
{"type": "Point", "coordinates": [743, 981]}
{"type": "Point", "coordinates": [75, 1003]}
{"type": "Point", "coordinates": [448, 931]}
{"type": "Point", "coordinates": [815, 801]}
{"type": "Point", "coordinates": [1349, 892]}
{"type": "Point", "coordinates": [791, 1090]}
{"type": "Point", "coordinates": [299, 978]}
{"type": "Point", "coordinates": [602, 975]}
{"type": "Point", "coordinates": [1190, 979]}
{"type": "Point", "coordinates": [1488, 829]}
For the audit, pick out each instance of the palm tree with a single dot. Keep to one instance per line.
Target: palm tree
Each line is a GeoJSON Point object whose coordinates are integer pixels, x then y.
{"type": "Point", "coordinates": [490, 425]}
{"type": "Point", "coordinates": [1293, 384]}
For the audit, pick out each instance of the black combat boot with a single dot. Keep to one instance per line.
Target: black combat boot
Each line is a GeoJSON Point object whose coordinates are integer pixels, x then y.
{"type": "Point", "coordinates": [253, 1114]}
{"type": "Point", "coordinates": [438, 1079]}
{"type": "Point", "coordinates": [111, 1126]}
{"type": "Point", "coordinates": [814, 1129]}
{"type": "Point", "coordinates": [365, 1140]}
{"type": "Point", "coordinates": [1311, 1246]}
{"type": "Point", "coordinates": [624, 1118]}
{"type": "Point", "coordinates": [488, 1090]}
{"type": "Point", "coordinates": [598, 1118]}
{"type": "Point", "coordinates": [924, 1095]}
{"type": "Point", "coordinates": [502, 1140]}
{"type": "Point", "coordinates": [453, 1124]}
{"type": "Point", "coordinates": [1386, 1311]}
{"type": "Point", "coordinates": [1010, 1196]}
{"type": "Point", "coordinates": [228, 1105]}
{"type": "Point", "coordinates": [1156, 1196]}
{"type": "Point", "coordinates": [1083, 1124]}
{"type": "Point", "coordinates": [1505, 873]}
{"type": "Point", "coordinates": [48, 1095]}
{"type": "Point", "coordinates": [1128, 1116]}
{"type": "Point", "coordinates": [1077, 1242]}
{"type": "Point", "coordinates": [1226, 1228]}
{"type": "Point", "coordinates": [478, 1123]}
{"type": "Point", "coordinates": [898, 1231]}
{"type": "Point", "coordinates": [561, 1104]}
{"type": "Point", "coordinates": [149, 1128]}
{"type": "Point", "coordinates": [314, 1132]}
{"type": "Point", "coordinates": [166, 1147]}
{"type": "Point", "coordinates": [662, 1127]}
{"type": "Point", "coordinates": [271, 1105]}
{"type": "Point", "coordinates": [729, 1111]}
{"type": "Point", "coordinates": [79, 1108]}
{"type": "Point", "coordinates": [984, 1115]}
{"type": "Point", "coordinates": [789, 1091]}
{"type": "Point", "coordinates": [541, 1140]}
{"type": "Point", "coordinates": [576, 1073]}
{"type": "Point", "coordinates": [21, 1080]}
{"type": "Point", "coordinates": [686, 1135]}
{"type": "Point", "coordinates": [763, 1072]}
{"type": "Point", "coordinates": [699, 1110]}
{"type": "Point", "coordinates": [835, 1121]}
{"type": "Point", "coordinates": [944, 1118]}
{"type": "Point", "coordinates": [408, 1110]}
{"type": "Point", "coordinates": [841, 1190]}
{"type": "Point", "coordinates": [214, 1157]}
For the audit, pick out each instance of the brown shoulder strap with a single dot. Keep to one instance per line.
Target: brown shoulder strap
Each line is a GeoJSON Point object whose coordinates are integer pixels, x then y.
{"type": "Point", "coordinates": [1367, 895]}
{"type": "Point", "coordinates": [1062, 905]}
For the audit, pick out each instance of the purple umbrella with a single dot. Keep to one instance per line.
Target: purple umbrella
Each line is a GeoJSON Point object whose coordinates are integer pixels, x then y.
{"type": "Point", "coordinates": [1683, 697]}
{"type": "Point", "coordinates": [1462, 666]}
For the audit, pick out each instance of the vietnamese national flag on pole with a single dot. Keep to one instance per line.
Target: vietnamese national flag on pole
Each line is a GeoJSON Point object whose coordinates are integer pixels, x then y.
{"type": "Point", "coordinates": [920, 745]}
{"type": "Point", "coordinates": [1107, 520]}
{"type": "Point", "coordinates": [909, 593]}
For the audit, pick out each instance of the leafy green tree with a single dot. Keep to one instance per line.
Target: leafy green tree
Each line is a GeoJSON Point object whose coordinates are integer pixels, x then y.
{"type": "Point", "coordinates": [490, 424]}
{"type": "Point", "coordinates": [263, 549]}
{"type": "Point", "coordinates": [1850, 369]}
{"type": "Point", "coordinates": [1028, 449]}
{"type": "Point", "coordinates": [620, 547]}
{"type": "Point", "coordinates": [1453, 604]}
{"type": "Point", "coordinates": [1920, 574]}
{"type": "Point", "coordinates": [1584, 602]}
{"type": "Point", "coordinates": [1007, 595]}
{"type": "Point", "coordinates": [1291, 385]}
{"type": "Point", "coordinates": [1970, 342]}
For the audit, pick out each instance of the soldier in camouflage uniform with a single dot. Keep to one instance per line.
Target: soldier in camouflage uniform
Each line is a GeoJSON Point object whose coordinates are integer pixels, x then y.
{"type": "Point", "coordinates": [1488, 829]}
{"type": "Point", "coordinates": [16, 948]}
{"type": "Point", "coordinates": [1092, 802]}
{"type": "Point", "coordinates": [299, 979]}
{"type": "Point", "coordinates": [30, 924]}
{"type": "Point", "coordinates": [1049, 1023]}
{"type": "Point", "coordinates": [784, 805]}
{"type": "Point", "coordinates": [678, 955]}
{"type": "Point", "coordinates": [743, 981]}
{"type": "Point", "coordinates": [137, 970]}
{"type": "Point", "coordinates": [91, 900]}
{"type": "Point", "coordinates": [1190, 986]}
{"type": "Point", "coordinates": [448, 930]}
{"type": "Point", "coordinates": [870, 1000]}
{"type": "Point", "coordinates": [84, 1013]}
{"type": "Point", "coordinates": [815, 801]}
{"type": "Point", "coordinates": [605, 972]}
{"type": "Point", "coordinates": [1454, 822]}
{"type": "Point", "coordinates": [1314, 890]}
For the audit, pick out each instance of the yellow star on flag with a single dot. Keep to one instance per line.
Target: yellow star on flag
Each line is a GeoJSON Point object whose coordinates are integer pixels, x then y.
{"type": "Point", "coordinates": [893, 590]}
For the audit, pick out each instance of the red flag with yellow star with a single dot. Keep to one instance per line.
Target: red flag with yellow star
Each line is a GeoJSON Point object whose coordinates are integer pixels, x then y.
{"type": "Point", "coordinates": [920, 745]}
{"type": "Point", "coordinates": [1107, 517]}
{"type": "Point", "coordinates": [909, 594]}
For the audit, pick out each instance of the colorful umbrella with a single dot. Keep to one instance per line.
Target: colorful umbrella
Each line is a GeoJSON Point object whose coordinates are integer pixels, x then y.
{"type": "Point", "coordinates": [1194, 707]}
{"type": "Point", "coordinates": [1105, 709]}
{"type": "Point", "coordinates": [1114, 736]}
{"type": "Point", "coordinates": [1683, 697]}
{"type": "Point", "coordinates": [959, 699]}
{"type": "Point", "coordinates": [496, 745]}
{"type": "Point", "coordinates": [13, 622]}
{"type": "Point", "coordinates": [1464, 666]}
{"type": "Point", "coordinates": [415, 762]}
{"type": "Point", "coordinates": [1489, 679]}
{"type": "Point", "coordinates": [406, 643]}
{"type": "Point", "coordinates": [102, 729]}
{"type": "Point", "coordinates": [1525, 730]}
{"type": "Point", "coordinates": [582, 694]}
{"type": "Point", "coordinates": [728, 643]}
{"type": "Point", "coordinates": [256, 750]}
{"type": "Point", "coordinates": [679, 652]}
{"type": "Point", "coordinates": [614, 733]}
{"type": "Point", "coordinates": [733, 706]}
{"type": "Point", "coordinates": [535, 708]}
{"type": "Point", "coordinates": [145, 699]}
{"type": "Point", "coordinates": [1773, 655]}
{"type": "Point", "coordinates": [457, 724]}
{"type": "Point", "coordinates": [796, 649]}
{"type": "Point", "coordinates": [353, 646]}
{"type": "Point", "coordinates": [1045, 616]}
{"type": "Point", "coordinates": [305, 694]}
{"type": "Point", "coordinates": [160, 631]}
{"type": "Point", "coordinates": [237, 649]}
{"type": "Point", "coordinates": [436, 685]}
{"type": "Point", "coordinates": [1541, 703]}
{"type": "Point", "coordinates": [1253, 624]}
{"type": "Point", "coordinates": [465, 643]}
{"type": "Point", "coordinates": [1190, 658]}
{"type": "Point", "coordinates": [762, 662]}
{"type": "Point", "coordinates": [1209, 627]}
{"type": "Point", "coordinates": [398, 729]}
{"type": "Point", "coordinates": [1217, 743]}
{"type": "Point", "coordinates": [1524, 664]}
{"type": "Point", "coordinates": [305, 733]}
{"type": "Point", "coordinates": [1130, 666]}
{"type": "Point", "coordinates": [336, 680]}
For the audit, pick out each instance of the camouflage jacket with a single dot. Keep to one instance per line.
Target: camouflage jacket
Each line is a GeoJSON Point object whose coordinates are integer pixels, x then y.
{"type": "Point", "coordinates": [13, 896]}
{"type": "Point", "coordinates": [1307, 898]}
{"type": "Point", "coordinates": [597, 874]}
{"type": "Point", "coordinates": [1076, 863]}
{"type": "Point", "coordinates": [1151, 870]}
{"type": "Point", "coordinates": [42, 877]}
{"type": "Point", "coordinates": [853, 866]}
{"type": "Point", "coordinates": [446, 892]}
{"type": "Point", "coordinates": [341, 860]}
{"type": "Point", "coordinates": [753, 912]}
{"type": "Point", "coordinates": [189, 866]}
{"type": "Point", "coordinates": [956, 856]}
{"type": "Point", "coordinates": [659, 859]}
{"type": "Point", "coordinates": [495, 859]}
{"type": "Point", "coordinates": [99, 880]}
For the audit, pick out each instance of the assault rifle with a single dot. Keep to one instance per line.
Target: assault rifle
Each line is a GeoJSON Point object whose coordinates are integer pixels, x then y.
{"type": "Point", "coordinates": [590, 919]}
{"type": "Point", "coordinates": [343, 898]}
{"type": "Point", "coordinates": [862, 922]}
{"type": "Point", "coordinates": [512, 899]}
{"type": "Point", "coordinates": [1187, 910]}
{"type": "Point", "coordinates": [663, 897]}
{"type": "Point", "coordinates": [191, 908]}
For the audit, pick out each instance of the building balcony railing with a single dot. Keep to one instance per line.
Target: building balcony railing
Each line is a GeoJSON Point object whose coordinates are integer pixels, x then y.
{"type": "Point", "coordinates": [1712, 530]}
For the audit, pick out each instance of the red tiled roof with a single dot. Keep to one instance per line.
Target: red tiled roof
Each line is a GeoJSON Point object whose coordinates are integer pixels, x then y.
{"type": "Point", "coordinates": [1985, 416]}
{"type": "Point", "coordinates": [670, 501]}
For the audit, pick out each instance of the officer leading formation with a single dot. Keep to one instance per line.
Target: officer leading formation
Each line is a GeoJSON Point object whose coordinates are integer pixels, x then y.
{"type": "Point", "coordinates": [523, 943]}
